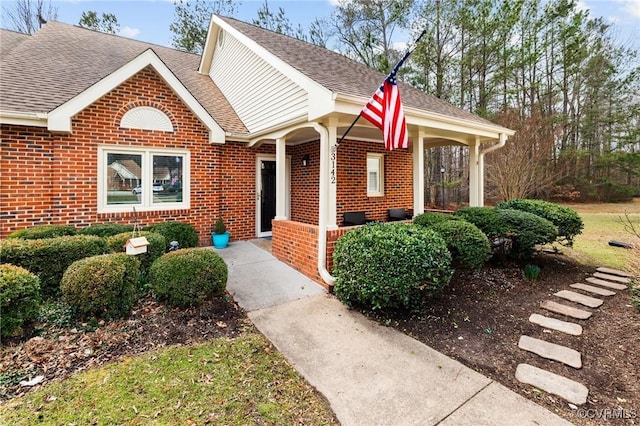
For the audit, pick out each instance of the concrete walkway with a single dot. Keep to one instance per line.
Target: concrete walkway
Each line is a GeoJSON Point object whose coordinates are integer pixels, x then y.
{"type": "Point", "coordinates": [370, 374]}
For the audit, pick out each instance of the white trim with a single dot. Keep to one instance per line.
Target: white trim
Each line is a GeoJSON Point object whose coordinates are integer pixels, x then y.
{"type": "Point", "coordinates": [60, 118]}
{"type": "Point", "coordinates": [36, 119]}
{"type": "Point", "coordinates": [379, 158]}
{"type": "Point", "coordinates": [146, 204]}
{"type": "Point", "coordinates": [146, 118]}
{"type": "Point", "coordinates": [258, 217]}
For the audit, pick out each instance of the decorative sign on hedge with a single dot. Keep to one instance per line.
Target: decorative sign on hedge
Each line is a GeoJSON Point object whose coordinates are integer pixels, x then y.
{"type": "Point", "coordinates": [136, 245]}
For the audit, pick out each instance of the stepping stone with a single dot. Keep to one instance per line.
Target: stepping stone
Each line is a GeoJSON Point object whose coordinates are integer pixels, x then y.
{"type": "Point", "coordinates": [607, 284]}
{"type": "Point", "coordinates": [614, 272]}
{"type": "Point", "coordinates": [552, 351]}
{"type": "Point", "coordinates": [556, 324]}
{"type": "Point", "coordinates": [610, 277]}
{"type": "Point", "coordinates": [589, 301]}
{"type": "Point", "coordinates": [572, 391]}
{"type": "Point", "coordinates": [591, 289]}
{"type": "Point", "coordinates": [569, 311]}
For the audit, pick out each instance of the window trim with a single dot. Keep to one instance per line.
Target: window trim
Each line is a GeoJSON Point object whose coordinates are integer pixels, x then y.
{"type": "Point", "coordinates": [380, 160]}
{"type": "Point", "coordinates": [147, 203]}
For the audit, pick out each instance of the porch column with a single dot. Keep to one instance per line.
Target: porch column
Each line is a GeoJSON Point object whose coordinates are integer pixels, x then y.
{"type": "Point", "coordinates": [332, 127]}
{"type": "Point", "coordinates": [418, 172]}
{"type": "Point", "coordinates": [474, 174]}
{"type": "Point", "coordinates": [281, 187]}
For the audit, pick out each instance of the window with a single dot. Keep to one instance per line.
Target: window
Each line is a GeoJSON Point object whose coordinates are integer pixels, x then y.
{"type": "Point", "coordinates": [375, 175]}
{"type": "Point", "coordinates": [147, 179]}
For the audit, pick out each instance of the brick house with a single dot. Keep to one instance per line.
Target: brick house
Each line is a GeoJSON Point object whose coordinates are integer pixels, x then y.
{"type": "Point", "coordinates": [248, 131]}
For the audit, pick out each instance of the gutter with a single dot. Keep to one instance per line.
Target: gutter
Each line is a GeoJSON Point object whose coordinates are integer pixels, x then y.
{"type": "Point", "coordinates": [501, 142]}
{"type": "Point", "coordinates": [323, 201]}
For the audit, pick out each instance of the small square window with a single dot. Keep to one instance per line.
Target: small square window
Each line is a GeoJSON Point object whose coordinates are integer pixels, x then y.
{"type": "Point", "coordinates": [375, 175]}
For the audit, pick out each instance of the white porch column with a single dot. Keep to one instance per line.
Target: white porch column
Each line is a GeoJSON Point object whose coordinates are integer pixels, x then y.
{"type": "Point", "coordinates": [418, 173]}
{"type": "Point", "coordinates": [475, 195]}
{"type": "Point", "coordinates": [332, 194]}
{"type": "Point", "coordinates": [281, 184]}
{"type": "Point", "coordinates": [481, 180]}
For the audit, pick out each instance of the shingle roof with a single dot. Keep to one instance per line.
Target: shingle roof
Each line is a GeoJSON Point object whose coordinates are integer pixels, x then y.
{"type": "Point", "coordinates": [50, 67]}
{"type": "Point", "coordinates": [341, 74]}
{"type": "Point", "coordinates": [10, 39]}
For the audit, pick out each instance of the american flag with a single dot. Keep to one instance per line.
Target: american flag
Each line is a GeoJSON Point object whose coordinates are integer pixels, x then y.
{"type": "Point", "coordinates": [384, 110]}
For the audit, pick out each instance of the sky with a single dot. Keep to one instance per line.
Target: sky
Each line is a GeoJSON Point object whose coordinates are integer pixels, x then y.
{"type": "Point", "coordinates": [149, 20]}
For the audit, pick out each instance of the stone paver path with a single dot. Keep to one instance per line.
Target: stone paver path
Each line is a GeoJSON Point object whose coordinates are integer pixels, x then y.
{"type": "Point", "coordinates": [572, 296]}
{"type": "Point", "coordinates": [552, 351]}
{"type": "Point", "coordinates": [553, 383]}
{"type": "Point", "coordinates": [606, 284]}
{"type": "Point", "coordinates": [564, 387]}
{"type": "Point", "coordinates": [591, 289]}
{"type": "Point", "coordinates": [568, 311]}
{"type": "Point", "coordinates": [556, 324]}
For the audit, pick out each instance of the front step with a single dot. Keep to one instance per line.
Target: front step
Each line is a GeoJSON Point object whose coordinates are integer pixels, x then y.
{"type": "Point", "coordinates": [568, 389]}
{"type": "Point", "coordinates": [559, 353]}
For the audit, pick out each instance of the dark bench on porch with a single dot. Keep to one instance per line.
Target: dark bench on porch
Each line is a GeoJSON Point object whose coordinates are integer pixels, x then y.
{"type": "Point", "coordinates": [397, 214]}
{"type": "Point", "coordinates": [354, 218]}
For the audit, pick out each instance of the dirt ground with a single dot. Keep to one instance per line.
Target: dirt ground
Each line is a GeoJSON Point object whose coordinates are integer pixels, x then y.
{"type": "Point", "coordinates": [479, 318]}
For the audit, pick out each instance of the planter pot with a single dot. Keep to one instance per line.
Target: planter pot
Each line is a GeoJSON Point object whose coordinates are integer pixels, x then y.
{"type": "Point", "coordinates": [220, 241]}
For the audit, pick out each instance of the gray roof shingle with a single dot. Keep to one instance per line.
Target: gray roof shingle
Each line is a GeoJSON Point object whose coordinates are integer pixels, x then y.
{"type": "Point", "coordinates": [50, 67]}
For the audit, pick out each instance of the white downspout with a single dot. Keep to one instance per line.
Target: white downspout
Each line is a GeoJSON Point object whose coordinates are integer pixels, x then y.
{"type": "Point", "coordinates": [501, 142]}
{"type": "Point", "coordinates": [323, 203]}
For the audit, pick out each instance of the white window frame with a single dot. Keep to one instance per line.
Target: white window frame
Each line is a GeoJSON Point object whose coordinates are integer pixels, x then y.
{"type": "Point", "coordinates": [147, 203]}
{"type": "Point", "coordinates": [379, 158]}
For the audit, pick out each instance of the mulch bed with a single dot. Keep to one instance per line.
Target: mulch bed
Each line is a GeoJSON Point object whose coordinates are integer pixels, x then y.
{"type": "Point", "coordinates": [57, 352]}
{"type": "Point", "coordinates": [479, 318]}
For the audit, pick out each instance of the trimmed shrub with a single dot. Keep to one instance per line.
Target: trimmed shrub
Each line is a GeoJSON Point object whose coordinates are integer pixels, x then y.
{"type": "Point", "coordinates": [101, 286]}
{"type": "Point", "coordinates": [19, 298]}
{"type": "Point", "coordinates": [485, 218]}
{"type": "Point", "coordinates": [381, 265]}
{"type": "Point", "coordinates": [188, 277]}
{"type": "Point", "coordinates": [567, 220]}
{"type": "Point", "coordinates": [468, 245]}
{"type": "Point", "coordinates": [44, 231]}
{"type": "Point", "coordinates": [106, 229]}
{"type": "Point", "coordinates": [155, 249]}
{"type": "Point", "coordinates": [184, 233]}
{"type": "Point", "coordinates": [431, 218]}
{"type": "Point", "coordinates": [526, 230]}
{"type": "Point", "coordinates": [49, 258]}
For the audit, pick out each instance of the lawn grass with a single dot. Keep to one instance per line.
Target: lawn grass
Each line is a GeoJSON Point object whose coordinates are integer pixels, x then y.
{"type": "Point", "coordinates": [227, 381]}
{"type": "Point", "coordinates": [604, 222]}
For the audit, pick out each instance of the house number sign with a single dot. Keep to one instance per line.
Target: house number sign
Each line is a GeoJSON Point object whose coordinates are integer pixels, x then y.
{"type": "Point", "coordinates": [332, 157]}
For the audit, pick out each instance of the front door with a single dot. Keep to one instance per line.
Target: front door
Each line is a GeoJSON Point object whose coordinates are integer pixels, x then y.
{"type": "Point", "coordinates": [267, 195]}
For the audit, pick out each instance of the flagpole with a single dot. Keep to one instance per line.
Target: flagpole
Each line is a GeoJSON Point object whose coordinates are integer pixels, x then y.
{"type": "Point", "coordinates": [404, 57]}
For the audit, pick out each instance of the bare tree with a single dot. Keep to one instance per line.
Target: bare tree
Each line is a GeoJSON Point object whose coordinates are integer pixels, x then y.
{"type": "Point", "coordinates": [27, 16]}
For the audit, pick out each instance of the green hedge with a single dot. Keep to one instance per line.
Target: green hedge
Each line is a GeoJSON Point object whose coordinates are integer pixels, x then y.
{"type": "Point", "coordinates": [19, 299]}
{"type": "Point", "coordinates": [155, 249]}
{"type": "Point", "coordinates": [188, 277]}
{"type": "Point", "coordinates": [431, 218]}
{"type": "Point", "coordinates": [567, 220]}
{"type": "Point", "coordinates": [383, 265]}
{"type": "Point", "coordinates": [49, 258]}
{"type": "Point", "coordinates": [184, 233]}
{"type": "Point", "coordinates": [44, 231]}
{"type": "Point", "coordinates": [106, 229]}
{"type": "Point", "coordinates": [485, 218]}
{"type": "Point", "coordinates": [468, 245]}
{"type": "Point", "coordinates": [101, 286]}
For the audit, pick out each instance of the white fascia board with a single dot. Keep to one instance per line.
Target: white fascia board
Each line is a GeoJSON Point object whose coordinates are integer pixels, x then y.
{"type": "Point", "coordinates": [60, 118]}
{"type": "Point", "coordinates": [20, 118]}
{"type": "Point", "coordinates": [353, 105]}
{"type": "Point", "coordinates": [317, 92]}
{"type": "Point", "coordinates": [209, 47]}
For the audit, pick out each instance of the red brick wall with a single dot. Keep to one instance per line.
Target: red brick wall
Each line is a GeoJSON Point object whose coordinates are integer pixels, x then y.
{"type": "Point", "coordinates": [304, 182]}
{"type": "Point", "coordinates": [52, 179]}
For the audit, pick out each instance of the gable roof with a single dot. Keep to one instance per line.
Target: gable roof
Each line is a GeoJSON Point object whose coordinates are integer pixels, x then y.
{"type": "Point", "coordinates": [65, 60]}
{"type": "Point", "coordinates": [342, 75]}
{"type": "Point", "coordinates": [9, 40]}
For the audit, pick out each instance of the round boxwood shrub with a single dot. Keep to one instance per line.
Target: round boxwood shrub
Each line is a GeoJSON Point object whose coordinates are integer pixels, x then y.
{"type": "Point", "coordinates": [382, 265]}
{"type": "Point", "coordinates": [49, 258]}
{"type": "Point", "coordinates": [485, 218]}
{"type": "Point", "coordinates": [155, 249]}
{"type": "Point", "coordinates": [184, 233]}
{"type": "Point", "coordinates": [468, 245]}
{"type": "Point", "coordinates": [567, 220]}
{"type": "Point", "coordinates": [44, 231]}
{"type": "Point", "coordinates": [431, 218]}
{"type": "Point", "coordinates": [19, 298]}
{"type": "Point", "coordinates": [101, 286]}
{"type": "Point", "coordinates": [526, 230]}
{"type": "Point", "coordinates": [188, 277]}
{"type": "Point", "coordinates": [106, 229]}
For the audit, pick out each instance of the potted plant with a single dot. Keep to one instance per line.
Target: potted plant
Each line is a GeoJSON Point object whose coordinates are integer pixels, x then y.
{"type": "Point", "coordinates": [220, 235]}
